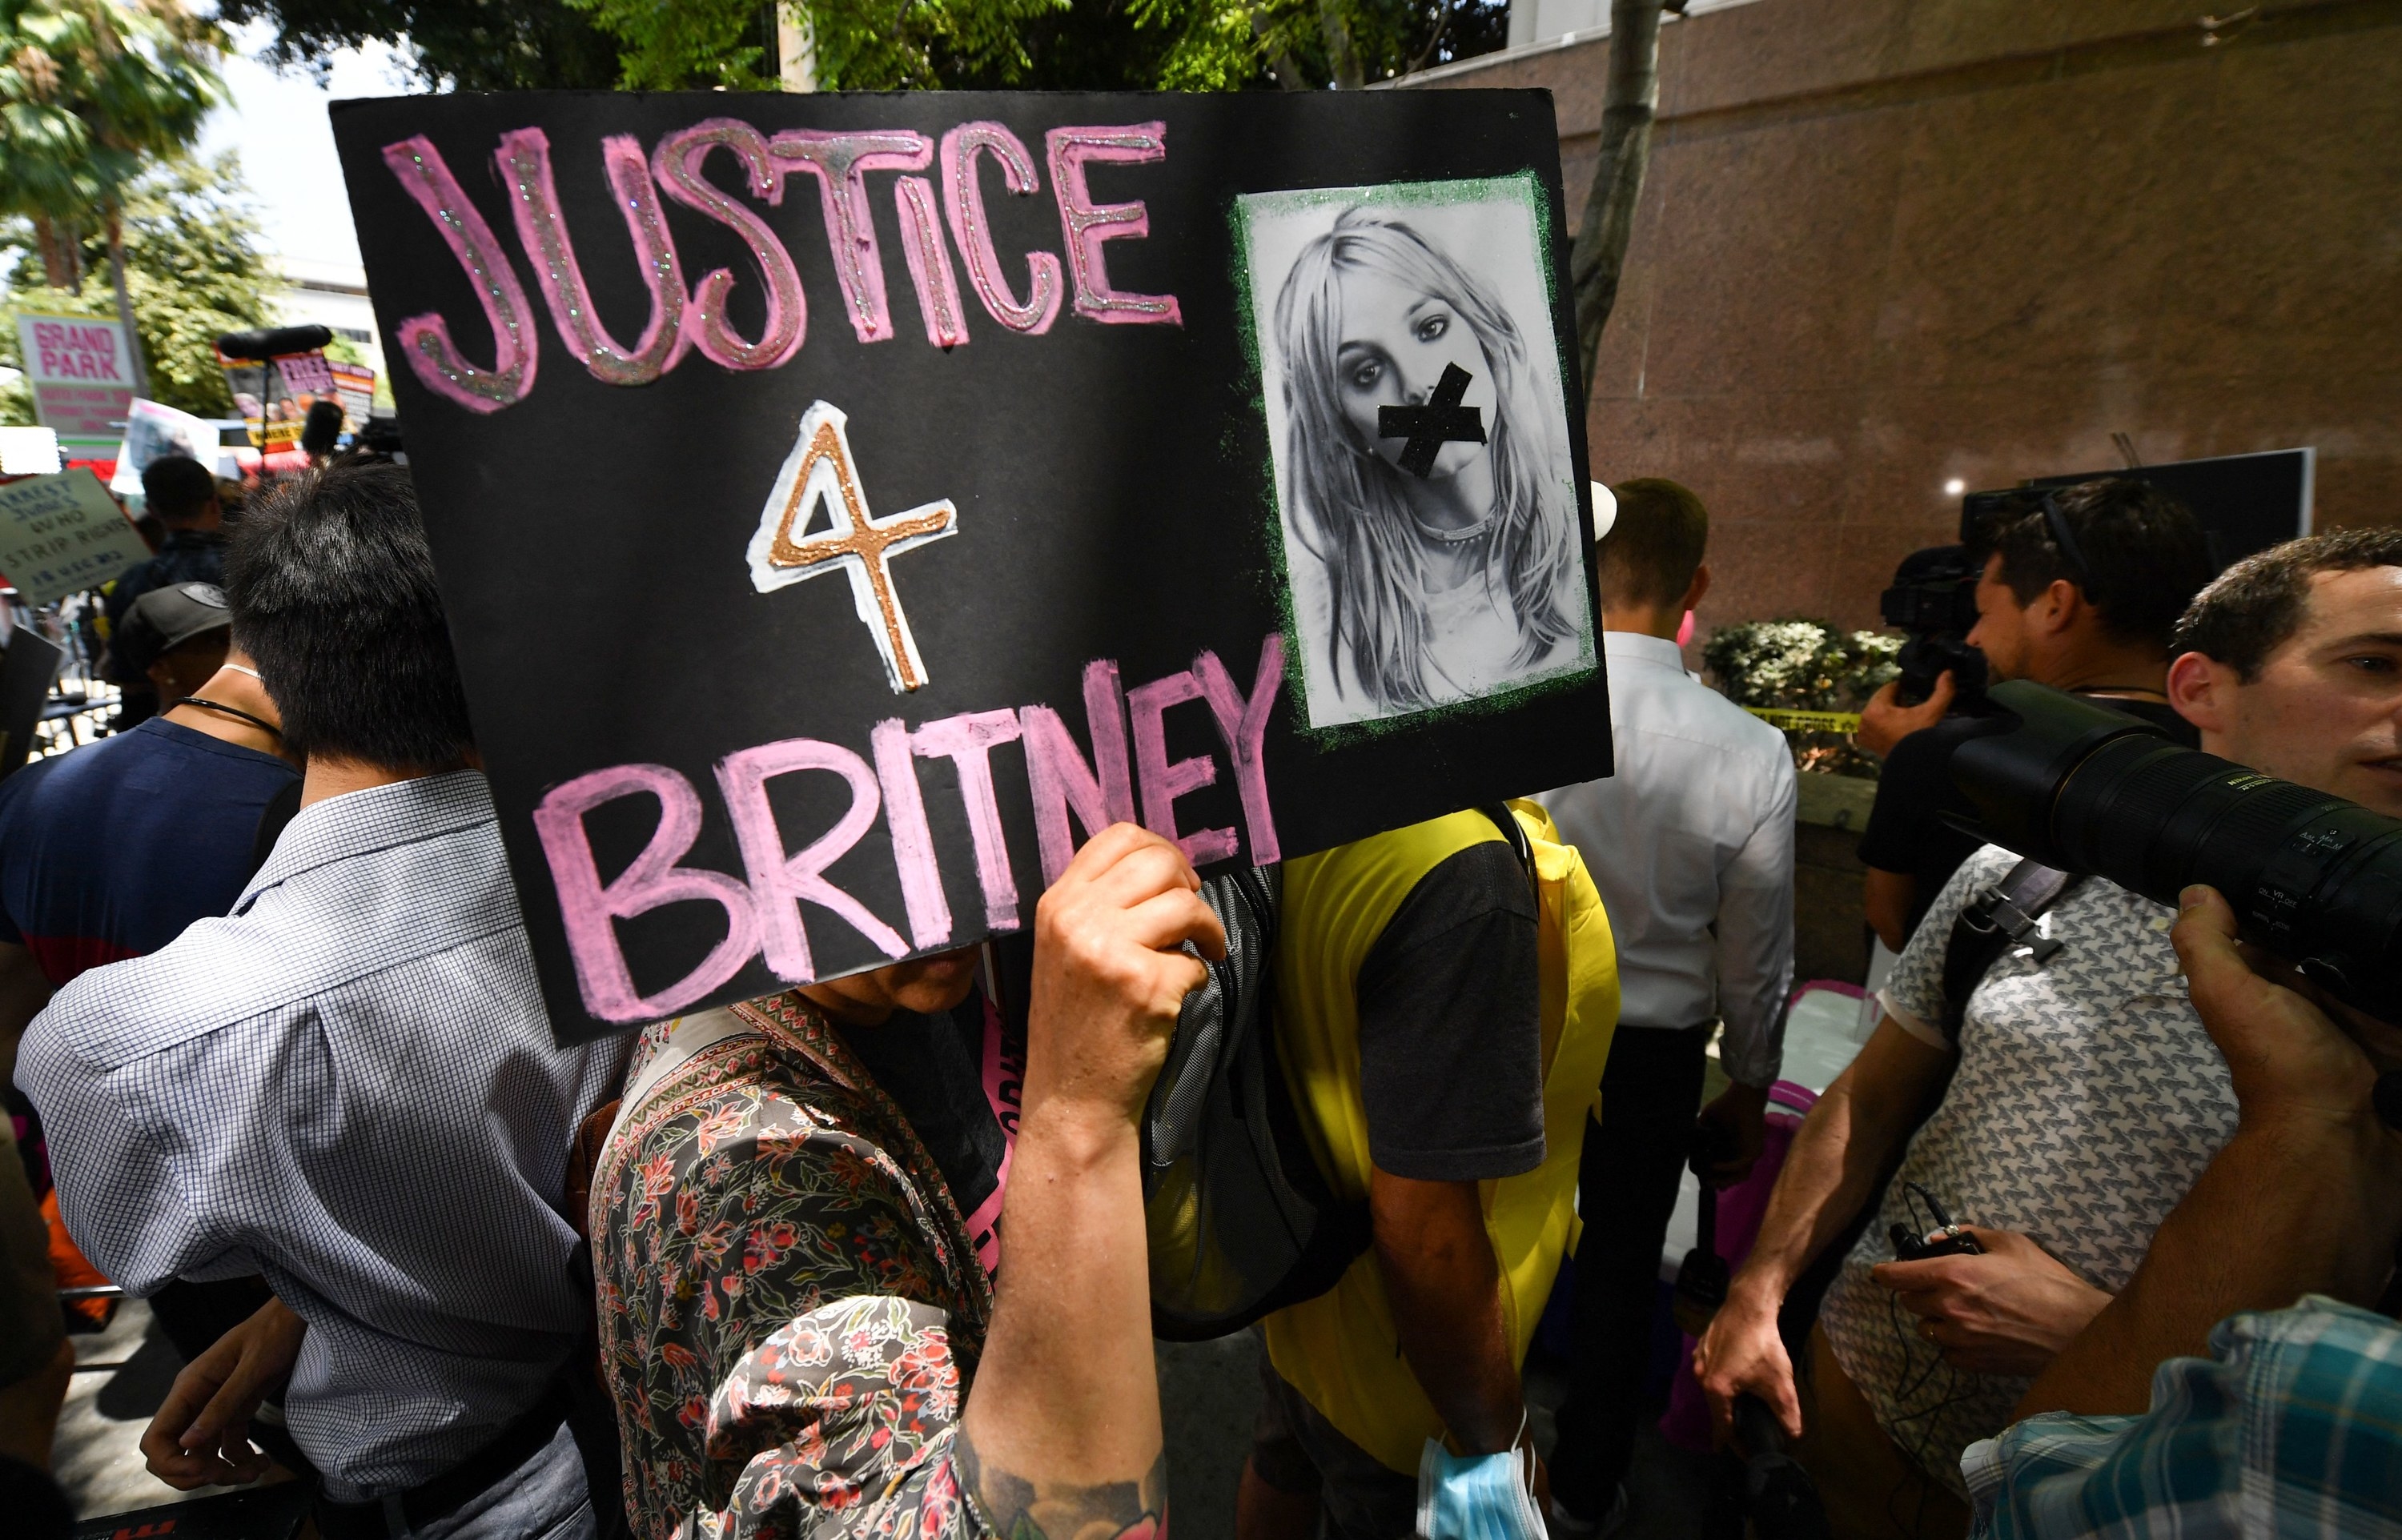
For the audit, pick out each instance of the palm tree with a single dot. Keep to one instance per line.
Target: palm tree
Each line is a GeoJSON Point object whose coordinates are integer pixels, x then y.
{"type": "Point", "coordinates": [91, 91]}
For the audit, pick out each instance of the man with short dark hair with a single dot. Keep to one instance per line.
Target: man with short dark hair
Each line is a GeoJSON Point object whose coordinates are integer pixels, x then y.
{"type": "Point", "coordinates": [348, 1083]}
{"type": "Point", "coordinates": [176, 637]}
{"type": "Point", "coordinates": [1690, 842]}
{"type": "Point", "coordinates": [2291, 662]}
{"type": "Point", "coordinates": [181, 493]}
{"type": "Point", "coordinates": [2081, 589]}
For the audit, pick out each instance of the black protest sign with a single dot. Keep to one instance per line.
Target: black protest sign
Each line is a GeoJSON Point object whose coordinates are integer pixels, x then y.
{"type": "Point", "coordinates": [845, 505]}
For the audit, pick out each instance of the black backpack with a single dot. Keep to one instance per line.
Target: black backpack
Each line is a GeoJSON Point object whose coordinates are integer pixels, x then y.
{"type": "Point", "coordinates": [1241, 1219]}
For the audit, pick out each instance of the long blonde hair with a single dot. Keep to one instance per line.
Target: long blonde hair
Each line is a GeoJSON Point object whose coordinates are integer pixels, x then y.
{"type": "Point", "coordinates": [1350, 508]}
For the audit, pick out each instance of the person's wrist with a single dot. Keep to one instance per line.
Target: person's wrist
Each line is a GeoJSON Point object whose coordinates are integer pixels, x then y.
{"type": "Point", "coordinates": [1079, 1132]}
{"type": "Point", "coordinates": [1754, 1292]}
{"type": "Point", "coordinates": [2336, 1137]}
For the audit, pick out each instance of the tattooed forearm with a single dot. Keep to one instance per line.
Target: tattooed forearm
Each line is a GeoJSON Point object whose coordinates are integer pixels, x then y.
{"type": "Point", "coordinates": [1016, 1509]}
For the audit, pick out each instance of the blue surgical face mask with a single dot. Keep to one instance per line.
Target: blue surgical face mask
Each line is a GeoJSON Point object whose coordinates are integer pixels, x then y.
{"type": "Point", "coordinates": [1475, 1496]}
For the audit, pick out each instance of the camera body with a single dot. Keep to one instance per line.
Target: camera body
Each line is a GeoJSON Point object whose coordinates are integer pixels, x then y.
{"type": "Point", "coordinates": [1950, 1240]}
{"type": "Point", "coordinates": [1934, 600]}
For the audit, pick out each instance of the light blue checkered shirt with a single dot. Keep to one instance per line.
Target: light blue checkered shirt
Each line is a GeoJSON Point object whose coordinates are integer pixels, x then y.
{"type": "Point", "coordinates": [2291, 1430]}
{"type": "Point", "coordinates": [349, 1085]}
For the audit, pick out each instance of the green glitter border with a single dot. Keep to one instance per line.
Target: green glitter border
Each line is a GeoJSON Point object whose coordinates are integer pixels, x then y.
{"type": "Point", "coordinates": [1525, 185]}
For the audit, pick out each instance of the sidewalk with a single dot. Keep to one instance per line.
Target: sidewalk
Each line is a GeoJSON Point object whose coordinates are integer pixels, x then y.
{"type": "Point", "coordinates": [121, 1377]}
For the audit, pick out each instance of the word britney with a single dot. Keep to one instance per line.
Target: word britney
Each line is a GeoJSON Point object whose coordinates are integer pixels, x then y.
{"type": "Point", "coordinates": [764, 914]}
{"type": "Point", "coordinates": [687, 316]}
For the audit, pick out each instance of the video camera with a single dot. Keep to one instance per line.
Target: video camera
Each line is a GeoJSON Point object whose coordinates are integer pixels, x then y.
{"type": "Point", "coordinates": [1934, 599]}
{"type": "Point", "coordinates": [2313, 878]}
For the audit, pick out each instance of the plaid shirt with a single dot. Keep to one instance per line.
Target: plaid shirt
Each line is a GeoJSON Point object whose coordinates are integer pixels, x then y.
{"type": "Point", "coordinates": [2292, 1428]}
{"type": "Point", "coordinates": [349, 1085]}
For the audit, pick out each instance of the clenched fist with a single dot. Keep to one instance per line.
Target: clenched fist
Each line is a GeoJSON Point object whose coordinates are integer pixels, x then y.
{"type": "Point", "coordinates": [1111, 972]}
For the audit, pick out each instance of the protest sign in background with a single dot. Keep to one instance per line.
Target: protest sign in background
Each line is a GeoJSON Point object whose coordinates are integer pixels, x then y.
{"type": "Point", "coordinates": [61, 534]}
{"type": "Point", "coordinates": [846, 504]}
{"type": "Point", "coordinates": [152, 431]}
{"type": "Point", "coordinates": [80, 372]}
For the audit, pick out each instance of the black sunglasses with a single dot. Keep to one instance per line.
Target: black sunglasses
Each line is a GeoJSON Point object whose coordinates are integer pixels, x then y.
{"type": "Point", "coordinates": [2065, 539]}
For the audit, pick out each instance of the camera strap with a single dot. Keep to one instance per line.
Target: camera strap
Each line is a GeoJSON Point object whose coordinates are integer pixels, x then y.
{"type": "Point", "coordinates": [2001, 917]}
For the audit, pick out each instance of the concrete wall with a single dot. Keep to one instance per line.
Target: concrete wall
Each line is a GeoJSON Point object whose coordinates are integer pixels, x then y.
{"type": "Point", "coordinates": [1888, 243]}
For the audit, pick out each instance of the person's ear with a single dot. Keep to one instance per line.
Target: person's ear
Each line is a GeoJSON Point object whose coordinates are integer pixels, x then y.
{"type": "Point", "coordinates": [2202, 690]}
{"type": "Point", "coordinates": [2056, 609]}
{"type": "Point", "coordinates": [1695, 589]}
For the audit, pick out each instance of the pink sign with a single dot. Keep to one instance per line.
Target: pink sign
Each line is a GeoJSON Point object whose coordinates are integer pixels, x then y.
{"type": "Point", "coordinates": [81, 376]}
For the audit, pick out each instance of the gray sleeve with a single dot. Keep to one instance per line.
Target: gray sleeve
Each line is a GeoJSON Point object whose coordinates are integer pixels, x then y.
{"type": "Point", "coordinates": [1913, 994]}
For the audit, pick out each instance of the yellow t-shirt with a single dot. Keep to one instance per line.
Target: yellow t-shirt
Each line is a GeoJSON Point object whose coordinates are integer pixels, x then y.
{"type": "Point", "coordinates": [1340, 1350]}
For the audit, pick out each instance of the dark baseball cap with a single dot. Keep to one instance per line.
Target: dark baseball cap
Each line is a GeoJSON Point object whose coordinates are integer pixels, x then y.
{"type": "Point", "coordinates": [164, 619]}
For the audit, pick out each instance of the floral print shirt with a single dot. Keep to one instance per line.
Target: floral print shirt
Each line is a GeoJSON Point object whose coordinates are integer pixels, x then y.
{"type": "Point", "coordinates": [789, 1304]}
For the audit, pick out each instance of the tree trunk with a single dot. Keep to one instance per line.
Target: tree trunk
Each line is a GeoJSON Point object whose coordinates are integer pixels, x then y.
{"type": "Point", "coordinates": [796, 46]}
{"type": "Point", "coordinates": [61, 265]}
{"type": "Point", "coordinates": [1341, 57]}
{"type": "Point", "coordinates": [1629, 104]}
{"type": "Point", "coordinates": [1288, 74]}
{"type": "Point", "coordinates": [138, 369]}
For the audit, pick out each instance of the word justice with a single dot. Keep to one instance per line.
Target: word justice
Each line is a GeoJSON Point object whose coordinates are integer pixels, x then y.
{"type": "Point", "coordinates": [685, 316]}
{"type": "Point", "coordinates": [1128, 778]}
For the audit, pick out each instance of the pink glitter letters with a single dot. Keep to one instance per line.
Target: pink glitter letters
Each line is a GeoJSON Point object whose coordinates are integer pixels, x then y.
{"type": "Point", "coordinates": [425, 339]}
{"type": "Point", "coordinates": [677, 164]}
{"type": "Point", "coordinates": [524, 162]}
{"type": "Point", "coordinates": [972, 228]}
{"type": "Point", "coordinates": [780, 883]}
{"type": "Point", "coordinates": [587, 908]}
{"type": "Point", "coordinates": [840, 162]}
{"type": "Point", "coordinates": [1087, 224]}
{"type": "Point", "coordinates": [930, 262]}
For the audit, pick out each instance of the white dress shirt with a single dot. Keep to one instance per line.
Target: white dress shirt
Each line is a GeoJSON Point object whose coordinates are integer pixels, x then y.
{"type": "Point", "coordinates": [1691, 846]}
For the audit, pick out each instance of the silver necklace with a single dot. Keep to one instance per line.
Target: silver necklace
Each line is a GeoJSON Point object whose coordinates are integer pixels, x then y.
{"type": "Point", "coordinates": [1477, 530]}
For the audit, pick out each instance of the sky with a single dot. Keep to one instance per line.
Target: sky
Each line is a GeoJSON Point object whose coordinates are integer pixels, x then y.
{"type": "Point", "coordinates": [277, 123]}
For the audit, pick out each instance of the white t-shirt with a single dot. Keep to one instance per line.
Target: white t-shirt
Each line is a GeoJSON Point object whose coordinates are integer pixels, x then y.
{"type": "Point", "coordinates": [2087, 1100]}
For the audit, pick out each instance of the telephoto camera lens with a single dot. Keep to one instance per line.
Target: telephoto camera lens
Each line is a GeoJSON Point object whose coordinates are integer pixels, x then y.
{"type": "Point", "coordinates": [2313, 878]}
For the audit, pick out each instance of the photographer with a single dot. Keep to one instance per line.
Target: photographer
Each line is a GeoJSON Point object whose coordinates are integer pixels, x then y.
{"type": "Point", "coordinates": [2295, 1410]}
{"type": "Point", "coordinates": [2079, 592]}
{"type": "Point", "coordinates": [2311, 633]}
{"type": "Point", "coordinates": [2062, 1095]}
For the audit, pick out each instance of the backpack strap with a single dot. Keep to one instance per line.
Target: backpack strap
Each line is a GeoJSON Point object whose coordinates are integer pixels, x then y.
{"type": "Point", "coordinates": [1997, 919]}
{"type": "Point", "coordinates": [1515, 833]}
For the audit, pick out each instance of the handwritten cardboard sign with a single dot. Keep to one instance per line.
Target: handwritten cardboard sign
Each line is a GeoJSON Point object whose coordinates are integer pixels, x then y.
{"type": "Point", "coordinates": [61, 534]}
{"type": "Point", "coordinates": [846, 505]}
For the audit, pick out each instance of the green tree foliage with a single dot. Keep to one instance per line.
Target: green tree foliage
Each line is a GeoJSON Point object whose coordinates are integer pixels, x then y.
{"type": "Point", "coordinates": [862, 45]}
{"type": "Point", "coordinates": [195, 268]}
{"type": "Point", "coordinates": [466, 45]}
{"type": "Point", "coordinates": [1228, 45]}
{"type": "Point", "coordinates": [93, 91]}
{"type": "Point", "coordinates": [1803, 665]}
{"type": "Point", "coordinates": [889, 45]}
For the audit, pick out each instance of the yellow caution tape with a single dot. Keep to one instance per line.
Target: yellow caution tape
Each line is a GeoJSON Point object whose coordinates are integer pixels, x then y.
{"type": "Point", "coordinates": [1807, 722]}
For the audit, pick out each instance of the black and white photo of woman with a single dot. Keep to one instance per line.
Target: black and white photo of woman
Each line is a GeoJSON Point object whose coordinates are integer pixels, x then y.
{"type": "Point", "coordinates": [1448, 586]}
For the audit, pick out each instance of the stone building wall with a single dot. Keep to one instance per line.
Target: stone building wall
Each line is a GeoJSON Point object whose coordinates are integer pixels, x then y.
{"type": "Point", "coordinates": [1885, 244]}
